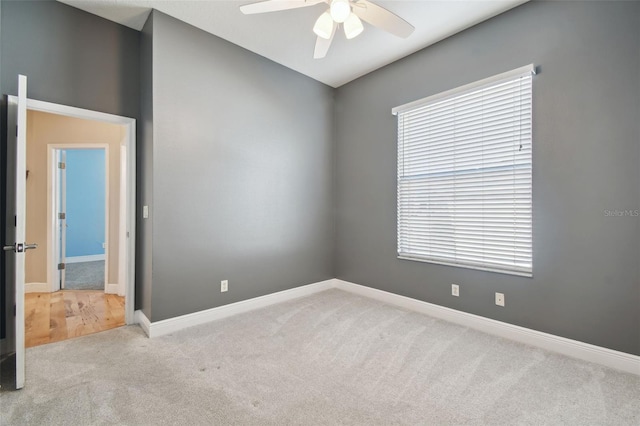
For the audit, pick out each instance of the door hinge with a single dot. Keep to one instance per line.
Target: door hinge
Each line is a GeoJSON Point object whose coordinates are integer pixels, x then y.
{"type": "Point", "coordinates": [14, 310]}
{"type": "Point", "coordinates": [62, 215]}
{"type": "Point", "coordinates": [61, 266]}
{"type": "Point", "coordinates": [61, 165]}
{"type": "Point", "coordinates": [16, 130]}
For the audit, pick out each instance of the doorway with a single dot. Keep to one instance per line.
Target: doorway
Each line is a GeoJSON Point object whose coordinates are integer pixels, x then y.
{"type": "Point", "coordinates": [74, 285]}
{"type": "Point", "coordinates": [82, 206]}
{"type": "Point", "coordinates": [81, 203]}
{"type": "Point", "coordinates": [79, 281]}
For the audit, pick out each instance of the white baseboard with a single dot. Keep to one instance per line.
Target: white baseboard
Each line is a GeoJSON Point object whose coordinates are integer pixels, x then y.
{"type": "Point", "coordinates": [572, 348]}
{"type": "Point", "coordinates": [37, 288]}
{"type": "Point", "coordinates": [88, 258]}
{"type": "Point", "coordinates": [141, 319]}
{"type": "Point", "coordinates": [112, 288]}
{"type": "Point", "coordinates": [159, 328]}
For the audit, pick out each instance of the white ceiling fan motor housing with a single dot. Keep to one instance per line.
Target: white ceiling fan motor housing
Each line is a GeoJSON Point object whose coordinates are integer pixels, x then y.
{"type": "Point", "coordinates": [340, 10]}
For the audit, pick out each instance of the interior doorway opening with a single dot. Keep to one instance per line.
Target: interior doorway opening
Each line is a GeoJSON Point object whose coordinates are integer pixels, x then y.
{"type": "Point", "coordinates": [81, 203]}
{"type": "Point", "coordinates": [81, 279]}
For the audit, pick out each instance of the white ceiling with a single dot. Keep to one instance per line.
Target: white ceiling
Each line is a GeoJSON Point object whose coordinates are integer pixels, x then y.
{"type": "Point", "coordinates": [287, 38]}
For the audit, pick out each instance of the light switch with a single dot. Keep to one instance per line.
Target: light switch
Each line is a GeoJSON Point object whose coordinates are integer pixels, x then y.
{"type": "Point", "coordinates": [145, 212]}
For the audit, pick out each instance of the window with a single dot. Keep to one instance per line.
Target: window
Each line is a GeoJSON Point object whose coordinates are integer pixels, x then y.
{"type": "Point", "coordinates": [464, 176]}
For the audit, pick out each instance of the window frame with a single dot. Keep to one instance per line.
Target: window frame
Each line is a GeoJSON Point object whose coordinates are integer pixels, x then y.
{"type": "Point", "coordinates": [513, 269]}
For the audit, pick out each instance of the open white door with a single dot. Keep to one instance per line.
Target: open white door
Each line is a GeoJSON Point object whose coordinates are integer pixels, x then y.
{"type": "Point", "coordinates": [16, 206]}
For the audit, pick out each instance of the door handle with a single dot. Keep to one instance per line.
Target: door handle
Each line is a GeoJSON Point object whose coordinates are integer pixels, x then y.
{"type": "Point", "coordinates": [20, 248]}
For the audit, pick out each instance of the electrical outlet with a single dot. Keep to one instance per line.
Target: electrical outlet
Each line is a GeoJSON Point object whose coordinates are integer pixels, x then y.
{"type": "Point", "coordinates": [500, 299]}
{"type": "Point", "coordinates": [224, 286]}
{"type": "Point", "coordinates": [145, 212]}
{"type": "Point", "coordinates": [455, 290]}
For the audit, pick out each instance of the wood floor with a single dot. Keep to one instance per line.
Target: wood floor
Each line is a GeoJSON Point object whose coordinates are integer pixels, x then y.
{"type": "Point", "coordinates": [51, 317]}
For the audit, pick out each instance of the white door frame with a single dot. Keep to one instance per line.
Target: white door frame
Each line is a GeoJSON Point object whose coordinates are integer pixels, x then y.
{"type": "Point", "coordinates": [128, 240]}
{"type": "Point", "coordinates": [60, 203]}
{"type": "Point", "coordinates": [53, 236]}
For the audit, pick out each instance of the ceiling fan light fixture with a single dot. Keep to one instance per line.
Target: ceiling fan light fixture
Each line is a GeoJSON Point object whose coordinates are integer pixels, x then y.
{"type": "Point", "coordinates": [324, 26]}
{"type": "Point", "coordinates": [352, 26]}
{"type": "Point", "coordinates": [340, 10]}
{"type": "Point", "coordinates": [349, 13]}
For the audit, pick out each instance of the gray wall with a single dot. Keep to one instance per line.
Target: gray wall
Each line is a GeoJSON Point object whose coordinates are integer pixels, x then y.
{"type": "Point", "coordinates": [242, 173]}
{"type": "Point", "coordinates": [70, 57]}
{"type": "Point", "coordinates": [586, 283]}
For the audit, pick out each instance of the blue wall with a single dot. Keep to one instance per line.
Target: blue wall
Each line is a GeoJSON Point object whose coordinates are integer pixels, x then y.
{"type": "Point", "coordinates": [85, 201]}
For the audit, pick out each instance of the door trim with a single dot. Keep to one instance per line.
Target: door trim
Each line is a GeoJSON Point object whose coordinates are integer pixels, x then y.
{"type": "Point", "coordinates": [130, 145]}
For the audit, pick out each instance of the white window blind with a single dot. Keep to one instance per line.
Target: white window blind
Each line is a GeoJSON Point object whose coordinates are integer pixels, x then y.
{"type": "Point", "coordinates": [464, 176]}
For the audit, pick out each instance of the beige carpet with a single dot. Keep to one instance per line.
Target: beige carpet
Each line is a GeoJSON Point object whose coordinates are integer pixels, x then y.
{"type": "Point", "coordinates": [332, 358]}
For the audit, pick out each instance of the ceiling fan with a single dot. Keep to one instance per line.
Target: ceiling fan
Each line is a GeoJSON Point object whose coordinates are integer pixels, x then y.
{"type": "Point", "coordinates": [349, 13]}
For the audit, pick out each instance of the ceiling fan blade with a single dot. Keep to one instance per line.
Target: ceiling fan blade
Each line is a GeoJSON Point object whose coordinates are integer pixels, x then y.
{"type": "Point", "coordinates": [323, 44]}
{"type": "Point", "coordinates": [382, 18]}
{"type": "Point", "coordinates": [276, 5]}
